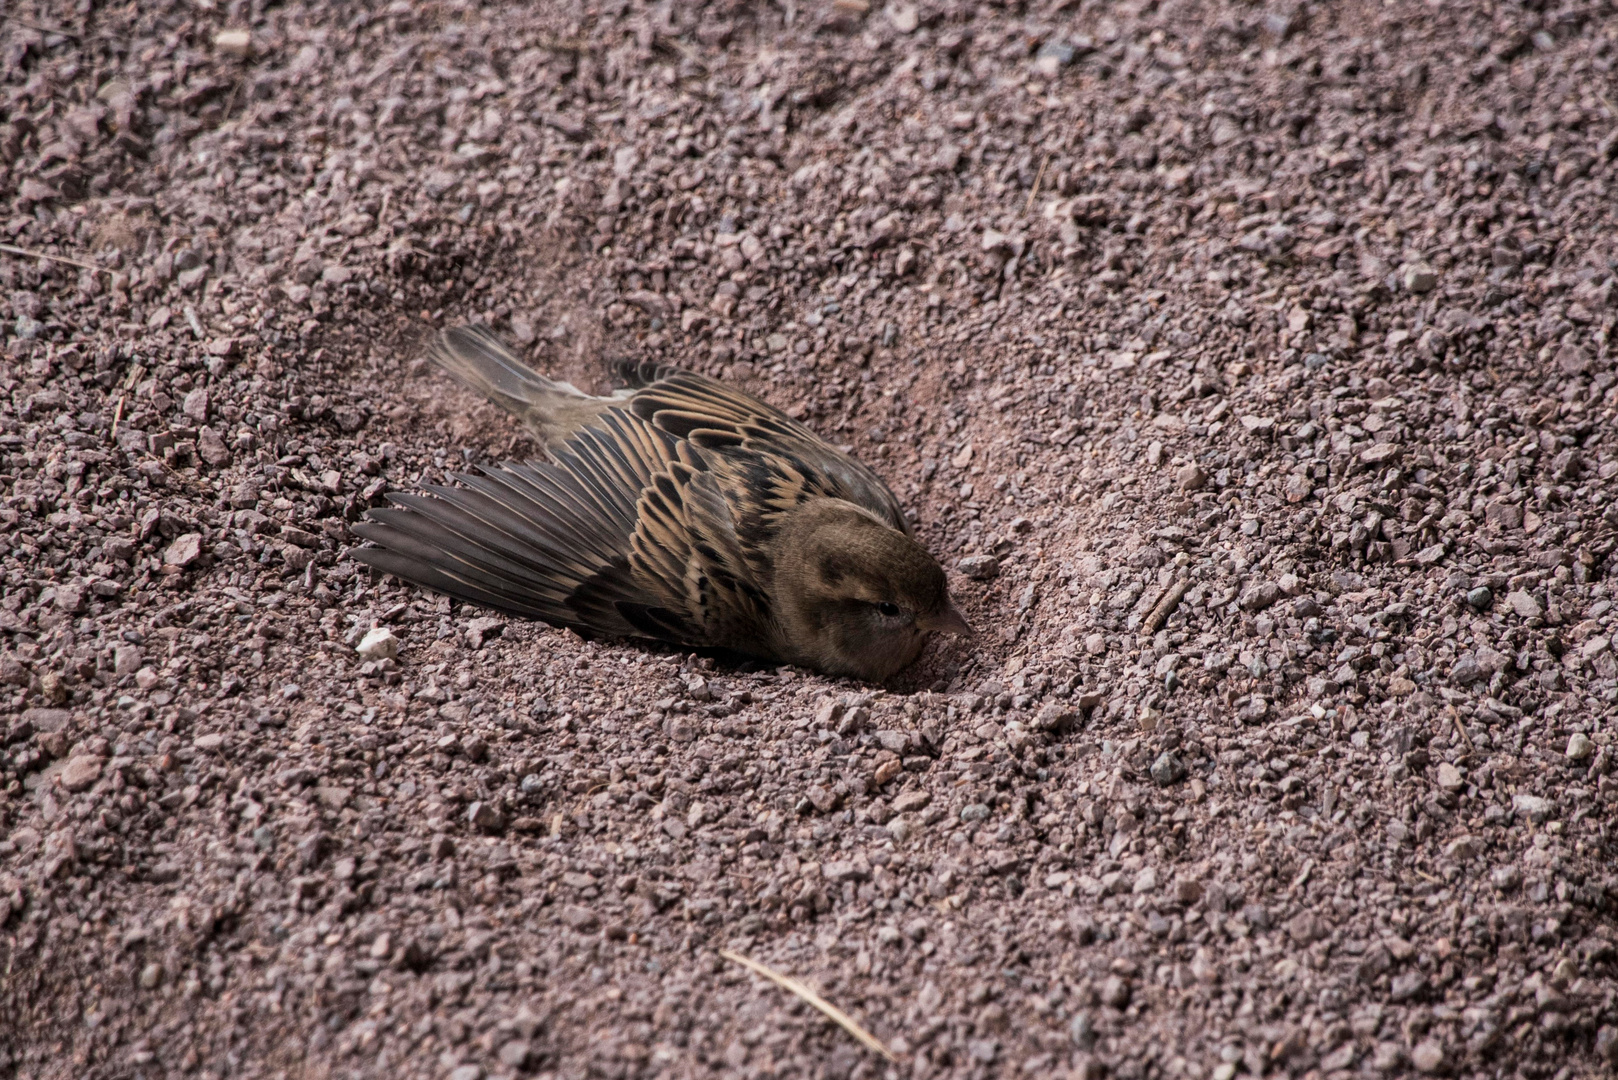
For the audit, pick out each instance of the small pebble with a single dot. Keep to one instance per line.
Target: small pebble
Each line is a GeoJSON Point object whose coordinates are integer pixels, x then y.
{"type": "Point", "coordinates": [378, 643]}
{"type": "Point", "coordinates": [1524, 605]}
{"type": "Point", "coordinates": [1428, 1056]}
{"type": "Point", "coordinates": [1167, 769]}
{"type": "Point", "coordinates": [979, 567]}
{"type": "Point", "coordinates": [515, 1054]}
{"type": "Point", "coordinates": [1420, 278]}
{"type": "Point", "coordinates": [81, 772]}
{"type": "Point", "coordinates": [1532, 807]}
{"type": "Point", "coordinates": [237, 43]}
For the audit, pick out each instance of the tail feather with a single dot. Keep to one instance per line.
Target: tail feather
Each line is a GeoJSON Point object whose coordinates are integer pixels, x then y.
{"type": "Point", "coordinates": [553, 410]}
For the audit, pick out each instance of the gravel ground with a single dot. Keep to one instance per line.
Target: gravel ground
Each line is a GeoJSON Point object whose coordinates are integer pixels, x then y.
{"type": "Point", "coordinates": [1251, 370]}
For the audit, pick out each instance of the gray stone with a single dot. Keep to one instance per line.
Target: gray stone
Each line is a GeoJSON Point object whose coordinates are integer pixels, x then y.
{"type": "Point", "coordinates": [1420, 278]}
{"type": "Point", "coordinates": [1380, 454]}
{"type": "Point", "coordinates": [1167, 769]}
{"type": "Point", "coordinates": [1428, 1056]}
{"type": "Point", "coordinates": [515, 1054]}
{"type": "Point", "coordinates": [81, 771]}
{"type": "Point", "coordinates": [126, 660]}
{"type": "Point", "coordinates": [196, 405]}
{"type": "Point", "coordinates": [485, 818]}
{"type": "Point", "coordinates": [481, 629]}
{"type": "Point", "coordinates": [841, 870]}
{"type": "Point", "coordinates": [1524, 605]}
{"type": "Point", "coordinates": [1607, 1044]}
{"type": "Point", "coordinates": [895, 741]}
{"type": "Point", "coordinates": [211, 448]}
{"type": "Point", "coordinates": [1116, 992]}
{"type": "Point", "coordinates": [910, 801]}
{"type": "Point", "coordinates": [579, 918]}
{"type": "Point", "coordinates": [1261, 596]}
{"type": "Point", "coordinates": [979, 567]}
{"type": "Point", "coordinates": [1053, 717]}
{"type": "Point", "coordinates": [1505, 515]}
{"type": "Point", "coordinates": [184, 551]}
{"type": "Point", "coordinates": [1532, 807]}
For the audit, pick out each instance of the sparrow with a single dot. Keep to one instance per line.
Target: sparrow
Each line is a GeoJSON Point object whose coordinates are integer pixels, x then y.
{"type": "Point", "coordinates": [678, 510]}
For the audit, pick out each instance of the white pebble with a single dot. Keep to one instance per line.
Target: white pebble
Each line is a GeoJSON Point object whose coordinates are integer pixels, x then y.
{"type": "Point", "coordinates": [379, 644]}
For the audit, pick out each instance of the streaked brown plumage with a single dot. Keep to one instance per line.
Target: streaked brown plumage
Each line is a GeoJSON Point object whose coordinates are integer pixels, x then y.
{"type": "Point", "coordinates": [678, 510]}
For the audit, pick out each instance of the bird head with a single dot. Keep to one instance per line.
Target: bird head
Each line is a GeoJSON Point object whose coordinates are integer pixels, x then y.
{"type": "Point", "coordinates": [859, 597]}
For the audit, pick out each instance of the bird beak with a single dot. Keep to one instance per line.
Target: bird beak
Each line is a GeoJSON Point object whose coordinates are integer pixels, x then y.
{"type": "Point", "coordinates": [948, 621]}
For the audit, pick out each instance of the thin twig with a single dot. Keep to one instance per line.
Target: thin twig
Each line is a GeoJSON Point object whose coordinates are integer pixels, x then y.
{"type": "Point", "coordinates": [134, 376]}
{"type": "Point", "coordinates": [684, 50]}
{"type": "Point", "coordinates": [1461, 729]}
{"type": "Point", "coordinates": [1165, 607]}
{"type": "Point", "coordinates": [832, 1012]}
{"type": "Point", "coordinates": [27, 253]}
{"type": "Point", "coordinates": [573, 45]}
{"type": "Point", "coordinates": [42, 28]}
{"type": "Point", "coordinates": [1033, 192]}
{"type": "Point", "coordinates": [230, 103]}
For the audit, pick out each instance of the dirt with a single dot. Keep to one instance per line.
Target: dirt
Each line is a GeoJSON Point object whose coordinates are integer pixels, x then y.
{"type": "Point", "coordinates": [1251, 369]}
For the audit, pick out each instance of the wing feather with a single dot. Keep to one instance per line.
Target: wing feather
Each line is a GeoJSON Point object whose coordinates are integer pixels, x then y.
{"type": "Point", "coordinates": [764, 450]}
{"type": "Point", "coordinates": [625, 532]}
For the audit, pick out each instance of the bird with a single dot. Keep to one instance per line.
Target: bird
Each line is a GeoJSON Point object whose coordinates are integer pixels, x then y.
{"type": "Point", "coordinates": [678, 510]}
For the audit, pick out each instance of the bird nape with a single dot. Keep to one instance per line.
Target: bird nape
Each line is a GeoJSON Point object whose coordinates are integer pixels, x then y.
{"type": "Point", "coordinates": [678, 510]}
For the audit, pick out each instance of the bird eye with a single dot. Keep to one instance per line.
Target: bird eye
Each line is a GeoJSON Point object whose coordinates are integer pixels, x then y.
{"type": "Point", "coordinates": [890, 611]}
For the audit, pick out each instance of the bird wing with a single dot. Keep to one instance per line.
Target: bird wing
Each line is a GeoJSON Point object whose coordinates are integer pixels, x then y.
{"type": "Point", "coordinates": [762, 449]}
{"type": "Point", "coordinates": [624, 533]}
{"type": "Point", "coordinates": [554, 411]}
